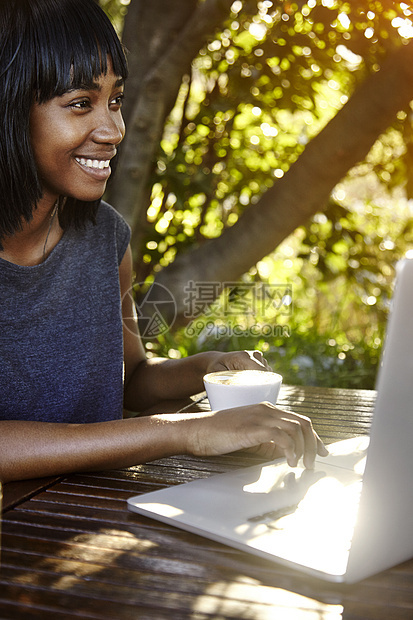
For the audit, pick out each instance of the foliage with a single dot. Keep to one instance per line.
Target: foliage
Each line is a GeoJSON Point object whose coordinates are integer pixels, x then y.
{"type": "Point", "coordinates": [340, 270]}
{"type": "Point", "coordinates": [263, 87]}
{"type": "Point", "coordinates": [117, 10]}
{"type": "Point", "coordinates": [274, 75]}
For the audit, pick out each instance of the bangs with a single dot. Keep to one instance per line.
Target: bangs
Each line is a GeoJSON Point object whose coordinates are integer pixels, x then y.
{"type": "Point", "coordinates": [47, 47]}
{"type": "Point", "coordinates": [71, 48]}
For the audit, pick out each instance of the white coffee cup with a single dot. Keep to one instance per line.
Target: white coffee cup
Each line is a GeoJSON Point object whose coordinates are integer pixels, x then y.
{"type": "Point", "coordinates": [236, 388]}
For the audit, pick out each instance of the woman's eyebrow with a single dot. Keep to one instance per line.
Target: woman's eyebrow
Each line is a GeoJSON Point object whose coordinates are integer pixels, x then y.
{"type": "Point", "coordinates": [95, 85]}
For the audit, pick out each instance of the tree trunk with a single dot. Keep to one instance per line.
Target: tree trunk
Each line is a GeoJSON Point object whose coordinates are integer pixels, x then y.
{"type": "Point", "coordinates": [304, 190]}
{"type": "Point", "coordinates": [150, 30]}
{"type": "Point", "coordinates": [162, 39]}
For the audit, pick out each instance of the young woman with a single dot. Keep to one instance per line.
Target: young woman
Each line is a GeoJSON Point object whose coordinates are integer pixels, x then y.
{"type": "Point", "coordinates": [66, 369]}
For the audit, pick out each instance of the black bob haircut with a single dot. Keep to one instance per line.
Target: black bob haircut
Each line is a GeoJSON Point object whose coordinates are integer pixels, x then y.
{"type": "Point", "coordinates": [47, 47]}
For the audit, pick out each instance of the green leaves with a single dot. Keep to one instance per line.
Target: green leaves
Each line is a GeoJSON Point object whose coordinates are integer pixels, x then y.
{"type": "Point", "coordinates": [270, 79]}
{"type": "Point", "coordinates": [259, 91]}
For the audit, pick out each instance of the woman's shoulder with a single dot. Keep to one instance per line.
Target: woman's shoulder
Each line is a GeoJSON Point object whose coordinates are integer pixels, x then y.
{"type": "Point", "coordinates": [112, 225]}
{"type": "Point", "coordinates": [107, 216]}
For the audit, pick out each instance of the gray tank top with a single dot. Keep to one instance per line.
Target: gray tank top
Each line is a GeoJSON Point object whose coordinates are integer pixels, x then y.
{"type": "Point", "coordinates": [61, 347]}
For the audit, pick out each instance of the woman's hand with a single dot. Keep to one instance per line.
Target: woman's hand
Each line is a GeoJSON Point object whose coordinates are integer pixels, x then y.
{"type": "Point", "coordinates": [237, 360]}
{"type": "Point", "coordinates": [39, 449]}
{"type": "Point", "coordinates": [262, 426]}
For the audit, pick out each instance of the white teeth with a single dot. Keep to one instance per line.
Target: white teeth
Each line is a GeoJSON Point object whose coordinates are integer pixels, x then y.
{"type": "Point", "coordinates": [93, 163]}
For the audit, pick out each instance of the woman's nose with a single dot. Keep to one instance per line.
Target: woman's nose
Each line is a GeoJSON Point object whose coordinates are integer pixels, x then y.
{"type": "Point", "coordinates": [110, 129]}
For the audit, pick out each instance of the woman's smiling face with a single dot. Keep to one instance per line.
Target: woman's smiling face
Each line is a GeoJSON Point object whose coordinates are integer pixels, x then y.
{"type": "Point", "coordinates": [74, 137]}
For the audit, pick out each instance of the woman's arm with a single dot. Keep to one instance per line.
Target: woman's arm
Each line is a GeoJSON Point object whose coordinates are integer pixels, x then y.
{"type": "Point", "coordinates": [147, 381]}
{"type": "Point", "coordinates": [36, 449]}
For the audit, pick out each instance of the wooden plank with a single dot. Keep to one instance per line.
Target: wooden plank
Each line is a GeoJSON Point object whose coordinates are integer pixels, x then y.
{"type": "Point", "coordinates": [179, 565]}
{"type": "Point", "coordinates": [17, 492]}
{"type": "Point", "coordinates": [75, 551]}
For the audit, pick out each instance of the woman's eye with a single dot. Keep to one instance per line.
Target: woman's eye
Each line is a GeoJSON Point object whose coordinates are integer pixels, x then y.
{"type": "Point", "coordinates": [82, 104]}
{"type": "Point", "coordinates": [86, 103]}
{"type": "Point", "coordinates": [118, 100]}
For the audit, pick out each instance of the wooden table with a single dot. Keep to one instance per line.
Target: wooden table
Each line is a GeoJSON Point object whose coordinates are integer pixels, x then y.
{"type": "Point", "coordinates": [71, 548]}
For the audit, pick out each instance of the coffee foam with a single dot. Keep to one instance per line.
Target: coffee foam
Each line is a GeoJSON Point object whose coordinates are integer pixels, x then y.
{"type": "Point", "coordinates": [242, 377]}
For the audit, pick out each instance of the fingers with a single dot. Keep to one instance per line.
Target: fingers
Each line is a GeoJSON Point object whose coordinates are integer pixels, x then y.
{"type": "Point", "coordinates": [251, 427]}
{"type": "Point", "coordinates": [257, 357]}
{"type": "Point", "coordinates": [295, 435]}
{"type": "Point", "coordinates": [268, 451]}
{"type": "Point", "coordinates": [305, 440]}
{"type": "Point", "coordinates": [321, 448]}
{"type": "Point", "coordinates": [242, 360]}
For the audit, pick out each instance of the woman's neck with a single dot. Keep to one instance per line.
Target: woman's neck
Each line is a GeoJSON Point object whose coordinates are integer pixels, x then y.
{"type": "Point", "coordinates": [33, 243]}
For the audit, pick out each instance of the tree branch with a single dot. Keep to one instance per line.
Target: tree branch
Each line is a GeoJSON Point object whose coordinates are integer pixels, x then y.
{"type": "Point", "coordinates": [157, 95]}
{"type": "Point", "coordinates": [304, 190]}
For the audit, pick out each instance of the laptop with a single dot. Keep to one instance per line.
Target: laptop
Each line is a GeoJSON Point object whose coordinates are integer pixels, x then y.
{"type": "Point", "coordinates": [349, 517]}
